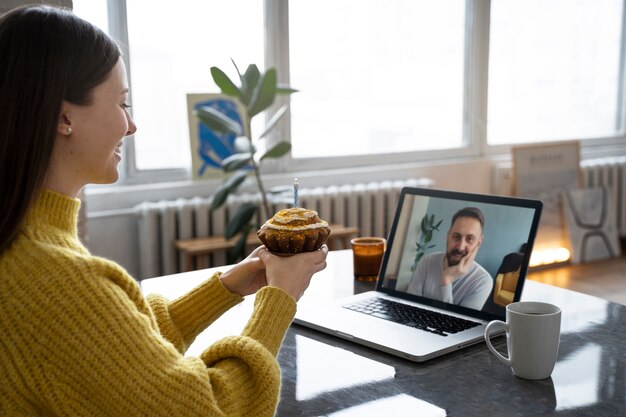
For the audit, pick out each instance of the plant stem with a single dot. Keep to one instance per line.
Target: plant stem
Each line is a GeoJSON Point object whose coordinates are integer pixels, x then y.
{"type": "Point", "coordinates": [265, 208]}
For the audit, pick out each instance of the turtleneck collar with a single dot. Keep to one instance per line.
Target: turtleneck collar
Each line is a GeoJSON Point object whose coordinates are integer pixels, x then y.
{"type": "Point", "coordinates": [55, 209]}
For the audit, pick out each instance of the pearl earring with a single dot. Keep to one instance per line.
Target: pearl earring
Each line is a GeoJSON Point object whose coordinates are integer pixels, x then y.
{"type": "Point", "coordinates": [69, 130]}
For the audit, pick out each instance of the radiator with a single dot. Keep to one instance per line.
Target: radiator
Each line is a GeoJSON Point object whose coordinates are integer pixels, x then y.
{"type": "Point", "coordinates": [609, 172]}
{"type": "Point", "coordinates": [370, 207]}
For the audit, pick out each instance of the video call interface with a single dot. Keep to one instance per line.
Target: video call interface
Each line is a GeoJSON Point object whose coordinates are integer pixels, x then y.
{"type": "Point", "coordinates": [464, 253]}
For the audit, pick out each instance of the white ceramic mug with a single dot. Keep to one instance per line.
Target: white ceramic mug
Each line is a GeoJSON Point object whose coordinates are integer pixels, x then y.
{"type": "Point", "coordinates": [532, 334]}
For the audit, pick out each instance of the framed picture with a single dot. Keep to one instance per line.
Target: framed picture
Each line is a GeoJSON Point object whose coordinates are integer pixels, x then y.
{"type": "Point", "coordinates": [542, 172]}
{"type": "Point", "coordinates": [208, 147]}
{"type": "Point", "coordinates": [538, 168]}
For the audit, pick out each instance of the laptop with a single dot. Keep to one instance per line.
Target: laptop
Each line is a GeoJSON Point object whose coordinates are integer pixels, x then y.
{"type": "Point", "coordinates": [453, 262]}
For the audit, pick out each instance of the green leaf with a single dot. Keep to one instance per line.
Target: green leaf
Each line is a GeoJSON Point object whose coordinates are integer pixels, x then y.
{"type": "Point", "coordinates": [236, 161]}
{"type": "Point", "coordinates": [216, 120]}
{"type": "Point", "coordinates": [277, 150]}
{"type": "Point", "coordinates": [224, 83]}
{"type": "Point", "coordinates": [438, 224]}
{"type": "Point", "coordinates": [429, 237]}
{"type": "Point", "coordinates": [238, 251]}
{"type": "Point", "coordinates": [272, 122]}
{"type": "Point", "coordinates": [432, 219]}
{"type": "Point", "coordinates": [423, 225]}
{"type": "Point", "coordinates": [284, 90]}
{"type": "Point", "coordinates": [264, 94]}
{"type": "Point", "coordinates": [417, 260]}
{"type": "Point", "coordinates": [237, 69]}
{"type": "Point", "coordinates": [228, 186]}
{"type": "Point", "coordinates": [249, 83]}
{"type": "Point", "coordinates": [241, 218]}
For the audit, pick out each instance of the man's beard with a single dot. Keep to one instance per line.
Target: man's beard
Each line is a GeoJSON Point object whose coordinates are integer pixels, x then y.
{"type": "Point", "coordinates": [454, 252]}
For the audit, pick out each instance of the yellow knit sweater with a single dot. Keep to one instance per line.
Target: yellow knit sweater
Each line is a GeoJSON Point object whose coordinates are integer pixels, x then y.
{"type": "Point", "coordinates": [77, 338]}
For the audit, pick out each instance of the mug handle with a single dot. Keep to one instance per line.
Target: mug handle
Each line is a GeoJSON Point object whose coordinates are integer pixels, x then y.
{"type": "Point", "coordinates": [492, 325]}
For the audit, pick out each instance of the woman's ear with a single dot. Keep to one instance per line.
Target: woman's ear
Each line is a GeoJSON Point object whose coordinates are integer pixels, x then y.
{"type": "Point", "coordinates": [65, 126]}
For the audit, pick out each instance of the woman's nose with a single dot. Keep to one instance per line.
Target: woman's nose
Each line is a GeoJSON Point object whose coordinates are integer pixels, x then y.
{"type": "Point", "coordinates": [132, 127]}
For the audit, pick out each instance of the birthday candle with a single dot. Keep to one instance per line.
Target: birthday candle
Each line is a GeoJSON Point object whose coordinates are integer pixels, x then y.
{"type": "Point", "coordinates": [295, 193]}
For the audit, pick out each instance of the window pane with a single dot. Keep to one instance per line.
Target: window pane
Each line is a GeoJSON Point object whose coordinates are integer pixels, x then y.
{"type": "Point", "coordinates": [553, 70]}
{"type": "Point", "coordinates": [171, 52]}
{"type": "Point", "coordinates": [375, 76]}
{"type": "Point", "coordinates": [94, 11]}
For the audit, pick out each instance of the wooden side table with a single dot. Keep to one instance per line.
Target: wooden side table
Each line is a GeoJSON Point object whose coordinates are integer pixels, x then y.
{"type": "Point", "coordinates": [198, 248]}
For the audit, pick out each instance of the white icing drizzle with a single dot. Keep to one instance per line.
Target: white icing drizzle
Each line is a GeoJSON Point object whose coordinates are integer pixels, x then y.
{"type": "Point", "coordinates": [284, 217]}
{"type": "Point", "coordinates": [303, 227]}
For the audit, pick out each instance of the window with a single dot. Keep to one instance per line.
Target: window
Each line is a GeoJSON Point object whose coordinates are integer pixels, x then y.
{"type": "Point", "coordinates": [380, 81]}
{"type": "Point", "coordinates": [94, 11]}
{"type": "Point", "coordinates": [554, 70]}
{"type": "Point", "coordinates": [375, 76]}
{"type": "Point", "coordinates": [171, 52]}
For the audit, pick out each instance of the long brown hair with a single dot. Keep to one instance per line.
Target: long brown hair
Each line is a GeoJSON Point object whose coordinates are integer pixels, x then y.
{"type": "Point", "coordinates": [47, 55]}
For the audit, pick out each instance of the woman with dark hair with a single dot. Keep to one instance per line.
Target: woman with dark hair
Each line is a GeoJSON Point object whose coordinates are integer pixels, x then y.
{"type": "Point", "coordinates": [78, 338]}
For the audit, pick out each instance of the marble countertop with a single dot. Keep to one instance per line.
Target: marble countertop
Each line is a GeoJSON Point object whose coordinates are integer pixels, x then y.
{"type": "Point", "coordinates": [326, 376]}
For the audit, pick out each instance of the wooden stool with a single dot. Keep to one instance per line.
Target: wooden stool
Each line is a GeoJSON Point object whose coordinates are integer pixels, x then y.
{"type": "Point", "coordinates": [190, 249]}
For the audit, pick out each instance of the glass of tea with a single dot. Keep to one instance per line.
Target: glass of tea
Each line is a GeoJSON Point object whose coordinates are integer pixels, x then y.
{"type": "Point", "coordinates": [368, 255]}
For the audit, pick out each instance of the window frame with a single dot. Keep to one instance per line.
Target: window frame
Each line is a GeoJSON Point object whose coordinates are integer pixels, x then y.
{"type": "Point", "coordinates": [276, 23]}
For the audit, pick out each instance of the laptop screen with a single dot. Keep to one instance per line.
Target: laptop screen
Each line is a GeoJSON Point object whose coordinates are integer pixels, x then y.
{"type": "Point", "coordinates": [465, 252]}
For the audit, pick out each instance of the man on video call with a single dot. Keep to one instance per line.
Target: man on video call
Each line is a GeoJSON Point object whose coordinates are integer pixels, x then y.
{"type": "Point", "coordinates": [453, 276]}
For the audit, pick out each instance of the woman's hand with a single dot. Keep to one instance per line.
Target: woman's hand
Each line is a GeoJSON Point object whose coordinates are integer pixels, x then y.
{"type": "Point", "coordinates": [293, 273]}
{"type": "Point", "coordinates": [290, 273]}
{"type": "Point", "coordinates": [246, 277]}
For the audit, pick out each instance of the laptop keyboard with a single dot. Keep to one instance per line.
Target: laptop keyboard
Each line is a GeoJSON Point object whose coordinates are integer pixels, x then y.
{"type": "Point", "coordinates": [420, 318]}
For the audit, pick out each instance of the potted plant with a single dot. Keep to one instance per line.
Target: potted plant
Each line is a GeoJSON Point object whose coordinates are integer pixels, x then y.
{"type": "Point", "coordinates": [256, 93]}
{"type": "Point", "coordinates": [427, 228]}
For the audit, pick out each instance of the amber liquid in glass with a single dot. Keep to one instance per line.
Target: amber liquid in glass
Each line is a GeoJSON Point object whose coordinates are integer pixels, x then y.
{"type": "Point", "coordinates": [368, 255]}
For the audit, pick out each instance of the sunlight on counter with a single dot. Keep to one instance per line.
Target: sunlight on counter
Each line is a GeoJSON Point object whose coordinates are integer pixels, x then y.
{"type": "Point", "coordinates": [348, 369]}
{"type": "Point", "coordinates": [397, 406]}
{"type": "Point", "coordinates": [573, 387]}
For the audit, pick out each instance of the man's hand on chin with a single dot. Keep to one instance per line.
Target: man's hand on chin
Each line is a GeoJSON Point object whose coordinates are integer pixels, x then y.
{"type": "Point", "coordinates": [454, 272]}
